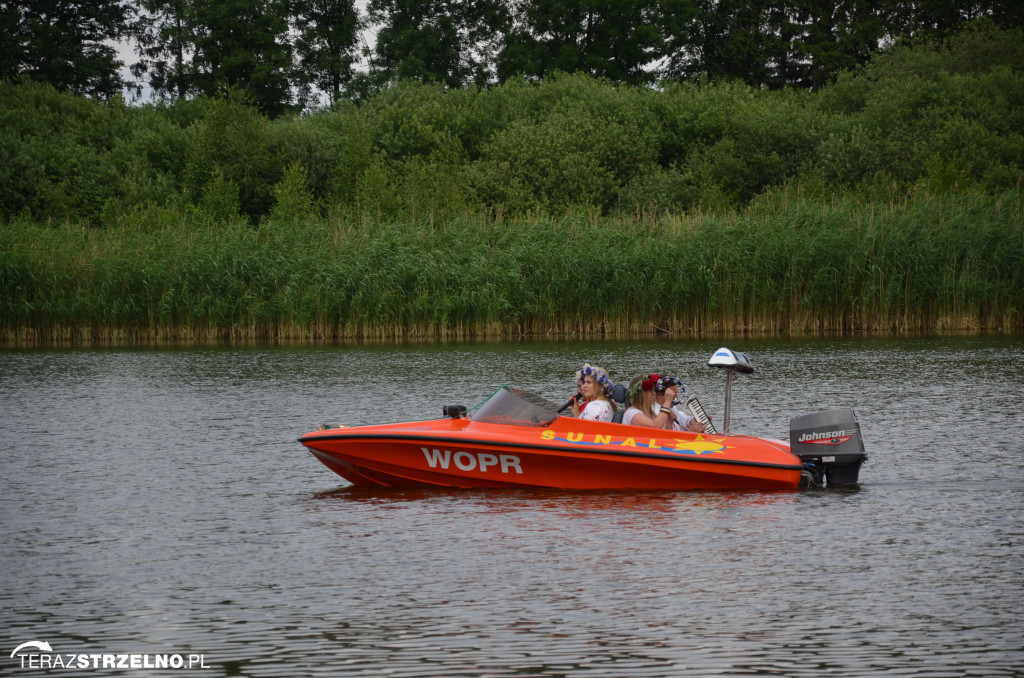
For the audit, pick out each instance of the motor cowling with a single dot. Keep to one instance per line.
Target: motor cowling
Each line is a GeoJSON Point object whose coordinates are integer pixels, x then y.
{"type": "Point", "coordinates": [830, 445]}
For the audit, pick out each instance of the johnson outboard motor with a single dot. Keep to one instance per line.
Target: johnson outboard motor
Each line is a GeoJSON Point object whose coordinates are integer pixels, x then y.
{"type": "Point", "coordinates": [830, 445]}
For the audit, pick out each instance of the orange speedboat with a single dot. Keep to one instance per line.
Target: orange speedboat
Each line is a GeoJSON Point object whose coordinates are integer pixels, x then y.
{"type": "Point", "coordinates": [516, 439]}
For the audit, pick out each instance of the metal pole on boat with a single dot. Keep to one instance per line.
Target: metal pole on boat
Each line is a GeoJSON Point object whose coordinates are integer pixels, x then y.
{"type": "Point", "coordinates": [728, 399]}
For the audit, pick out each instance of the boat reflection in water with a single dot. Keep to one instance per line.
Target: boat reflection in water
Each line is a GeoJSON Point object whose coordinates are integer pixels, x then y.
{"type": "Point", "coordinates": [570, 503]}
{"type": "Point", "coordinates": [516, 439]}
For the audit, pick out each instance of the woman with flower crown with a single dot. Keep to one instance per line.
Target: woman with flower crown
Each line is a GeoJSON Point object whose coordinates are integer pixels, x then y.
{"type": "Point", "coordinates": [643, 407]}
{"type": "Point", "coordinates": [665, 392]}
{"type": "Point", "coordinates": [594, 391]}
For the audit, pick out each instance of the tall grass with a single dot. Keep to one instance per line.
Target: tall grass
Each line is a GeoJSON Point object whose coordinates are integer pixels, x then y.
{"type": "Point", "coordinates": [785, 264]}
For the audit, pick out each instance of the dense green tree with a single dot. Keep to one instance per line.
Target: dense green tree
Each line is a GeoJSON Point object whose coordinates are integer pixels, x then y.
{"type": "Point", "coordinates": [937, 115]}
{"type": "Point", "coordinates": [615, 40]}
{"type": "Point", "coordinates": [835, 37]}
{"type": "Point", "coordinates": [326, 44]}
{"type": "Point", "coordinates": [807, 43]}
{"type": "Point", "coordinates": [64, 43]}
{"type": "Point", "coordinates": [447, 41]}
{"type": "Point", "coordinates": [243, 45]}
{"type": "Point", "coordinates": [212, 47]}
{"type": "Point", "coordinates": [11, 43]}
{"type": "Point", "coordinates": [728, 40]}
{"type": "Point", "coordinates": [162, 35]}
{"type": "Point", "coordinates": [917, 18]}
{"type": "Point", "coordinates": [228, 153]}
{"type": "Point", "coordinates": [677, 21]}
{"type": "Point", "coordinates": [802, 43]}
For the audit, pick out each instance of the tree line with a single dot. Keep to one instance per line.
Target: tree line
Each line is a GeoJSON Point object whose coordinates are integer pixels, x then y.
{"type": "Point", "coordinates": [942, 117]}
{"type": "Point", "coordinates": [288, 55]}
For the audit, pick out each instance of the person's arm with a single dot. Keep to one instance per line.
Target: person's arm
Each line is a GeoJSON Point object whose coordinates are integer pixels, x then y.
{"type": "Point", "coordinates": [670, 417]}
{"type": "Point", "coordinates": [687, 422]}
{"type": "Point", "coordinates": [660, 420]}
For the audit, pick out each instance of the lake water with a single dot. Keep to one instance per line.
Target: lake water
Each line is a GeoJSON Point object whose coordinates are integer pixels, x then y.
{"type": "Point", "coordinates": [155, 502]}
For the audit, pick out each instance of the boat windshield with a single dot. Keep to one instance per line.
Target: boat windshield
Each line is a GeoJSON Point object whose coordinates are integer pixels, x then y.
{"type": "Point", "coordinates": [515, 407]}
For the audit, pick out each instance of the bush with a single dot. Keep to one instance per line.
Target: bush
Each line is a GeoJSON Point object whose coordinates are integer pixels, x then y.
{"type": "Point", "coordinates": [229, 142]}
{"type": "Point", "coordinates": [293, 201]}
{"type": "Point", "coordinates": [938, 116]}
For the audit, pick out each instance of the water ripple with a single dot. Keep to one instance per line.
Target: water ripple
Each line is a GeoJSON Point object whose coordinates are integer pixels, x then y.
{"type": "Point", "coordinates": [156, 501]}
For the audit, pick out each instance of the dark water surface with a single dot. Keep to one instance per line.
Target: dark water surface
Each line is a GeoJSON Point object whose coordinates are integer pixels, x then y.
{"type": "Point", "coordinates": [157, 502]}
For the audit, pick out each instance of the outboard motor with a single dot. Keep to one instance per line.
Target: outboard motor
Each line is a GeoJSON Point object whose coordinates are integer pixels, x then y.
{"type": "Point", "coordinates": [830, 445]}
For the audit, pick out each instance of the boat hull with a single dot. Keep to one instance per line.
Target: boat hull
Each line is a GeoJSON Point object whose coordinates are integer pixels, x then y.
{"type": "Point", "coordinates": [567, 454]}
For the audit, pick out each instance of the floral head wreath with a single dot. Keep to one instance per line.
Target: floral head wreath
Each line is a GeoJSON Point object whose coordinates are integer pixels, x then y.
{"type": "Point", "coordinates": [665, 382]}
{"type": "Point", "coordinates": [648, 383]}
{"type": "Point", "coordinates": [599, 375]}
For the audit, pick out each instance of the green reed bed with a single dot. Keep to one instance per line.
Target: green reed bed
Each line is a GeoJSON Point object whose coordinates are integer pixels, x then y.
{"type": "Point", "coordinates": [785, 264]}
